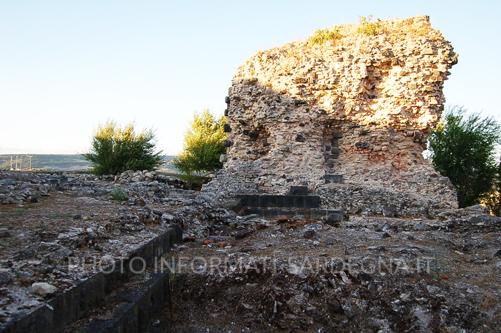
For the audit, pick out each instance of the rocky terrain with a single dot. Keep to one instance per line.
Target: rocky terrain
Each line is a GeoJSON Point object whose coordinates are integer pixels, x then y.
{"type": "Point", "coordinates": [248, 273]}
{"type": "Point", "coordinates": [58, 229]}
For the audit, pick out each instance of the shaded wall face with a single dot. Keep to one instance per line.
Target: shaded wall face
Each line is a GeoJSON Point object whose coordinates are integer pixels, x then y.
{"type": "Point", "coordinates": [286, 141]}
{"type": "Point", "coordinates": [280, 136]}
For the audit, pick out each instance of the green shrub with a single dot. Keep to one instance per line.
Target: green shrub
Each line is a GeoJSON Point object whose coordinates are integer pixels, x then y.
{"type": "Point", "coordinates": [324, 35]}
{"type": "Point", "coordinates": [492, 199]}
{"type": "Point", "coordinates": [370, 27]}
{"type": "Point", "coordinates": [203, 145]}
{"type": "Point", "coordinates": [115, 150]}
{"type": "Point", "coordinates": [119, 195]}
{"type": "Point", "coordinates": [463, 150]}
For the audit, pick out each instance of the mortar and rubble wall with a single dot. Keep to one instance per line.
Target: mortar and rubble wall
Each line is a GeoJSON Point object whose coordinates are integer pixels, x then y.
{"type": "Point", "coordinates": [348, 117]}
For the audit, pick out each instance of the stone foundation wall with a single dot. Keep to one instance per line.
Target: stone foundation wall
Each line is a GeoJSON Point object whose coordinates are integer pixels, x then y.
{"type": "Point", "coordinates": [357, 107]}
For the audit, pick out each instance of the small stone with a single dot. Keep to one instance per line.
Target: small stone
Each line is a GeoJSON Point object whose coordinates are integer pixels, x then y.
{"type": "Point", "coordinates": [362, 145]}
{"type": "Point", "coordinates": [428, 51]}
{"type": "Point", "coordinates": [43, 289]}
{"type": "Point", "coordinates": [4, 233]}
{"type": "Point", "coordinates": [345, 277]}
{"type": "Point", "coordinates": [433, 290]}
{"type": "Point", "coordinates": [335, 306]}
{"type": "Point", "coordinates": [242, 234]}
{"type": "Point", "coordinates": [107, 260]}
{"type": "Point", "coordinates": [189, 238]}
{"type": "Point", "coordinates": [139, 202]}
{"type": "Point", "coordinates": [309, 234]}
{"type": "Point", "coordinates": [282, 219]}
{"type": "Point", "coordinates": [166, 217]}
{"type": "Point", "coordinates": [5, 276]}
{"type": "Point", "coordinates": [300, 137]}
{"type": "Point", "coordinates": [334, 219]}
{"type": "Point", "coordinates": [150, 175]}
{"type": "Point", "coordinates": [389, 211]}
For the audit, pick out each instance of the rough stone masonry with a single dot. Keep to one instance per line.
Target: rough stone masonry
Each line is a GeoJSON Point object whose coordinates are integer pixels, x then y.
{"type": "Point", "coordinates": [348, 116]}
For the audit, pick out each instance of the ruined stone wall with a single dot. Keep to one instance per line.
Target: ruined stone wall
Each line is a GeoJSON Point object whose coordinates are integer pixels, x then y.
{"type": "Point", "coordinates": [358, 107]}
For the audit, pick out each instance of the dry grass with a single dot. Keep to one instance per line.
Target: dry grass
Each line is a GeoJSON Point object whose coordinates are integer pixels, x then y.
{"type": "Point", "coordinates": [394, 30]}
{"type": "Point", "coordinates": [370, 27]}
{"type": "Point", "coordinates": [324, 35]}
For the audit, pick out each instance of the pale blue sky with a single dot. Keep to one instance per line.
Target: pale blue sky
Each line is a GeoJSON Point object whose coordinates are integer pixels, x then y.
{"type": "Point", "coordinates": [66, 66]}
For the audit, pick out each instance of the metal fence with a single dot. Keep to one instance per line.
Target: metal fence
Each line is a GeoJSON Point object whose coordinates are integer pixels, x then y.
{"type": "Point", "coordinates": [16, 162]}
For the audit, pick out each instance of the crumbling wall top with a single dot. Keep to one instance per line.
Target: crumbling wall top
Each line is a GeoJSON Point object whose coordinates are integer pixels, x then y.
{"type": "Point", "coordinates": [384, 73]}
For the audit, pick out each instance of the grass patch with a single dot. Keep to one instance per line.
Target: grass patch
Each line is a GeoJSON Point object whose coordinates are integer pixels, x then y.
{"type": "Point", "coordinates": [119, 195]}
{"type": "Point", "coordinates": [194, 182]}
{"type": "Point", "coordinates": [54, 216]}
{"type": "Point", "coordinates": [20, 211]}
{"type": "Point", "coordinates": [370, 27]}
{"type": "Point", "coordinates": [322, 36]}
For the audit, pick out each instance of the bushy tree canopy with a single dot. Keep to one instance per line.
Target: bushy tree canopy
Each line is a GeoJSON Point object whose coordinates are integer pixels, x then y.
{"type": "Point", "coordinates": [115, 150]}
{"type": "Point", "coordinates": [203, 145]}
{"type": "Point", "coordinates": [493, 199]}
{"type": "Point", "coordinates": [463, 149]}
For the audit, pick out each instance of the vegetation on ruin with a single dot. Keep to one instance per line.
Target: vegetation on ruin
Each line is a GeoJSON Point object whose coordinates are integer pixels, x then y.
{"type": "Point", "coordinates": [370, 27]}
{"type": "Point", "coordinates": [463, 149]}
{"type": "Point", "coordinates": [203, 146]}
{"type": "Point", "coordinates": [116, 149]}
{"type": "Point", "coordinates": [393, 30]}
{"type": "Point", "coordinates": [322, 36]}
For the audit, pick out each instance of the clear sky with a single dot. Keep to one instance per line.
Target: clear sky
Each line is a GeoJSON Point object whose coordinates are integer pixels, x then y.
{"type": "Point", "coordinates": [66, 66]}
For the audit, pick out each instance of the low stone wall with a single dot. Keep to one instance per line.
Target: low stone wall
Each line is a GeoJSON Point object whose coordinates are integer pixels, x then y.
{"type": "Point", "coordinates": [75, 303]}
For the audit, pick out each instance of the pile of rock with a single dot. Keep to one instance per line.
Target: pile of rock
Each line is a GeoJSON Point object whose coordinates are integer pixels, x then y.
{"type": "Point", "coordinates": [131, 176]}
{"type": "Point", "coordinates": [17, 189]}
{"type": "Point", "coordinates": [23, 187]}
{"type": "Point", "coordinates": [136, 176]}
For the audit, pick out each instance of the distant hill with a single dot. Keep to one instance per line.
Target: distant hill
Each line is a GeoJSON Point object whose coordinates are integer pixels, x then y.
{"type": "Point", "coordinates": [58, 162]}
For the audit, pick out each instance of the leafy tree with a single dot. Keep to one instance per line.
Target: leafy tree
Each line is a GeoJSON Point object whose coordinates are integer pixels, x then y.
{"type": "Point", "coordinates": [203, 145]}
{"type": "Point", "coordinates": [115, 150]}
{"type": "Point", "coordinates": [492, 199]}
{"type": "Point", "coordinates": [463, 150]}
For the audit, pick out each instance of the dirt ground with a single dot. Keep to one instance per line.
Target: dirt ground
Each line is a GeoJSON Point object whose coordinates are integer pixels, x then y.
{"type": "Point", "coordinates": [269, 281]}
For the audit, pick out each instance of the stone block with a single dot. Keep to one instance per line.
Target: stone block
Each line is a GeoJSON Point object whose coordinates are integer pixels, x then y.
{"type": "Point", "coordinates": [298, 190]}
